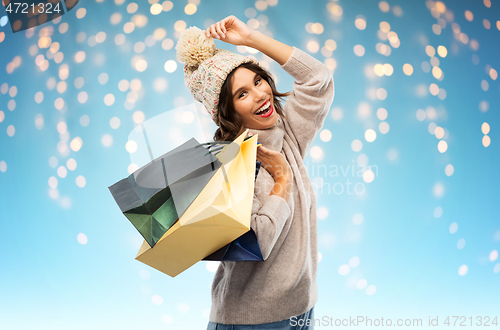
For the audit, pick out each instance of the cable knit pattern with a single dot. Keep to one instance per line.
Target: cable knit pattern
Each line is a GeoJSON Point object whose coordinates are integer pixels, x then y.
{"type": "Point", "coordinates": [284, 285]}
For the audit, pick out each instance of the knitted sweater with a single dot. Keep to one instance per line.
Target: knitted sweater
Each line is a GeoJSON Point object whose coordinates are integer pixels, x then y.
{"type": "Point", "coordinates": [284, 285]}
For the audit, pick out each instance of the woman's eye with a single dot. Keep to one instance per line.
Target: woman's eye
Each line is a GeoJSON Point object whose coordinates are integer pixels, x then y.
{"type": "Point", "coordinates": [241, 95]}
{"type": "Point", "coordinates": [257, 81]}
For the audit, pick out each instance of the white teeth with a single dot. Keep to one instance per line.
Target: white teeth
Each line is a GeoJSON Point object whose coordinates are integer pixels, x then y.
{"type": "Point", "coordinates": [264, 108]}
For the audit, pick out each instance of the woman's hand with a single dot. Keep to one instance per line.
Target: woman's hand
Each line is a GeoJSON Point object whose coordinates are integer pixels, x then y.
{"type": "Point", "coordinates": [276, 165]}
{"type": "Point", "coordinates": [230, 30]}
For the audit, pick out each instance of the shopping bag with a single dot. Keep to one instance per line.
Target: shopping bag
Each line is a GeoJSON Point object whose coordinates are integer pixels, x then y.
{"type": "Point", "coordinates": [154, 196]}
{"type": "Point", "coordinates": [244, 248]}
{"type": "Point", "coordinates": [217, 216]}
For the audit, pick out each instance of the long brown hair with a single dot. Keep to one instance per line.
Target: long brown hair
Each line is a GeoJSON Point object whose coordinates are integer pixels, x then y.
{"type": "Point", "coordinates": [228, 120]}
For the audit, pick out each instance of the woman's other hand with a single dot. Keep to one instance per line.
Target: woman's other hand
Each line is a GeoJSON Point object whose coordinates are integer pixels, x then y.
{"type": "Point", "coordinates": [230, 30]}
{"type": "Point", "coordinates": [276, 165]}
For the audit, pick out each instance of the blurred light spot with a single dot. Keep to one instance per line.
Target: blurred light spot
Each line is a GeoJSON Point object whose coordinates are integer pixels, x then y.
{"type": "Point", "coordinates": [356, 145]}
{"type": "Point", "coordinates": [170, 66]}
{"type": "Point", "coordinates": [132, 168]}
{"type": "Point", "coordinates": [76, 144]}
{"type": "Point", "coordinates": [469, 16]}
{"type": "Point", "coordinates": [442, 146]}
{"type": "Point", "coordinates": [156, 9]}
{"type": "Point", "coordinates": [381, 94]}
{"type": "Point", "coordinates": [325, 135]}
{"type": "Point", "coordinates": [354, 262]}
{"type": "Point", "coordinates": [80, 13]}
{"type": "Point", "coordinates": [84, 120]}
{"type": "Point", "coordinates": [80, 181]}
{"type": "Point", "coordinates": [187, 117]}
{"type": "Point", "coordinates": [11, 105]}
{"type": "Point", "coordinates": [123, 85]}
{"type": "Point", "coordinates": [131, 146]}
{"type": "Point", "coordinates": [484, 85]}
{"type": "Point", "coordinates": [484, 106]}
{"type": "Point", "coordinates": [212, 266]}
{"type": "Point", "coordinates": [82, 238]}
{"type": "Point", "coordinates": [316, 152]}
{"type": "Point", "coordinates": [434, 89]}
{"type": "Point", "coordinates": [160, 84]}
{"type": "Point", "coordinates": [359, 50]}
{"type": "Point", "coordinates": [426, 67]}
{"type": "Point", "coordinates": [382, 114]}
{"type": "Point", "coordinates": [82, 97]}
{"type": "Point", "coordinates": [370, 290]}
{"type": "Point", "coordinates": [344, 269]}
{"type": "Point", "coordinates": [114, 122]}
{"type": "Point", "coordinates": [144, 274]}
{"type": "Point", "coordinates": [128, 28]}
{"type": "Point", "coordinates": [384, 27]}
{"type": "Point", "coordinates": [141, 65]}
{"type": "Point", "coordinates": [436, 29]}
{"type": "Point", "coordinates": [138, 117]}
{"type": "Point", "coordinates": [361, 284]}
{"type": "Point", "coordinates": [11, 130]}
{"type": "Point", "coordinates": [61, 86]}
{"type": "Point", "coordinates": [442, 51]}
{"type": "Point", "coordinates": [71, 164]}
{"type": "Point", "coordinates": [167, 319]}
{"type": "Point", "coordinates": [453, 228]}
{"type": "Point", "coordinates": [53, 193]}
{"type": "Point", "coordinates": [167, 5]}
{"type": "Point", "coordinates": [167, 44]}
{"type": "Point", "coordinates": [439, 132]}
{"type": "Point", "coordinates": [368, 176]}
{"type": "Point", "coordinates": [107, 140]}
{"type": "Point", "coordinates": [379, 70]}
{"type": "Point", "coordinates": [370, 135]}
{"type": "Point", "coordinates": [336, 114]}
{"type": "Point", "coordinates": [79, 58]}
{"type": "Point", "coordinates": [157, 299]}
{"type": "Point", "coordinates": [38, 120]}
{"type": "Point", "coordinates": [357, 219]}
{"type": "Point", "coordinates": [103, 78]}
{"type": "Point", "coordinates": [438, 190]}
{"type": "Point", "coordinates": [313, 46]}
{"type": "Point", "coordinates": [496, 269]}
{"type": "Point", "coordinates": [119, 39]}
{"type": "Point", "coordinates": [53, 162]}
{"type": "Point", "coordinates": [322, 213]}
{"type": "Point", "coordinates": [438, 212]}
{"type": "Point", "coordinates": [109, 99]}
{"type": "Point", "coordinates": [360, 23]}
{"type": "Point", "coordinates": [62, 172]}
{"type": "Point", "coordinates": [139, 47]}
{"type": "Point", "coordinates": [493, 255]}
{"type": "Point", "coordinates": [53, 182]}
{"type": "Point", "coordinates": [183, 308]}
{"type": "Point", "coordinates": [61, 127]}
{"type": "Point", "coordinates": [485, 128]}
{"type": "Point", "coordinates": [180, 26]}
{"type": "Point", "coordinates": [461, 244]}
{"type": "Point", "coordinates": [132, 7]}
{"type": "Point", "coordinates": [384, 127]}
{"type": "Point", "coordinates": [486, 141]}
{"type": "Point", "coordinates": [383, 6]}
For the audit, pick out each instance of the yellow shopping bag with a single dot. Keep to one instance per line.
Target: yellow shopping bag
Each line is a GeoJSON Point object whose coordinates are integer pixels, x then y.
{"type": "Point", "coordinates": [218, 215]}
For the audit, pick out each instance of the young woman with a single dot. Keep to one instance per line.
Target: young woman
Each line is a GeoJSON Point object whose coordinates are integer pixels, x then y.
{"type": "Point", "coordinates": [280, 292]}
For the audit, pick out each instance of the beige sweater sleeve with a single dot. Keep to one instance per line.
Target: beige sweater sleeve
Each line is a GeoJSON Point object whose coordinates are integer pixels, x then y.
{"type": "Point", "coordinates": [268, 221]}
{"type": "Point", "coordinates": [308, 105]}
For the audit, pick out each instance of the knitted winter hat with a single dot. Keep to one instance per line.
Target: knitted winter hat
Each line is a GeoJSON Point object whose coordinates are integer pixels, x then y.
{"type": "Point", "coordinates": [205, 67]}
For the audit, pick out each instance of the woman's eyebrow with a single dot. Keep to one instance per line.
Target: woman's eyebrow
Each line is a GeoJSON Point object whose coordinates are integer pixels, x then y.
{"type": "Point", "coordinates": [239, 89]}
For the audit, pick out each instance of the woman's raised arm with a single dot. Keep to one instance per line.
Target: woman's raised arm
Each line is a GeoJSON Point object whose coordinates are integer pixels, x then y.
{"type": "Point", "coordinates": [235, 32]}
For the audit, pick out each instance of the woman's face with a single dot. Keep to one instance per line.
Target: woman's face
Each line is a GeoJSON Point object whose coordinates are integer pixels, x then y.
{"type": "Point", "coordinates": [253, 99]}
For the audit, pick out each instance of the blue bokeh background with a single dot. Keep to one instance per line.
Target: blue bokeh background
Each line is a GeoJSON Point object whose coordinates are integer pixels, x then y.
{"type": "Point", "coordinates": [421, 240]}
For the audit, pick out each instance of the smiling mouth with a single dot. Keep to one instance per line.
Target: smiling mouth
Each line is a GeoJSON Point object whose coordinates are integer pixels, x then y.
{"type": "Point", "coordinates": [265, 110]}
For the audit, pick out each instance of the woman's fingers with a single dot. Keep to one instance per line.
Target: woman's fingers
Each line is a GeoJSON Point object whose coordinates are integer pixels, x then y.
{"type": "Point", "coordinates": [219, 29]}
{"type": "Point", "coordinates": [213, 32]}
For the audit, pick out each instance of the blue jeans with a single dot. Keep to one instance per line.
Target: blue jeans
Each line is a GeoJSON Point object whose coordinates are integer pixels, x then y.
{"type": "Point", "coordinates": [294, 323]}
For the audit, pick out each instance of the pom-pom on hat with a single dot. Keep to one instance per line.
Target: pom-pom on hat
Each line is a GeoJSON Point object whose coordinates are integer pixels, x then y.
{"type": "Point", "coordinates": [205, 67]}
